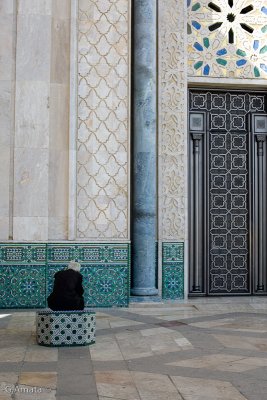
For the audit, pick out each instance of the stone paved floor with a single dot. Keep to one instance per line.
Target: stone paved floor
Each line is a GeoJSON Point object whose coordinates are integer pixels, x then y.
{"type": "Point", "coordinates": [205, 349]}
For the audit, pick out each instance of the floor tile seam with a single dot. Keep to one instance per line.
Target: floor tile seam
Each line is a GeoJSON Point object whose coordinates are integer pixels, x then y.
{"type": "Point", "coordinates": [171, 379]}
{"type": "Point", "coordinates": [199, 373]}
{"type": "Point", "coordinates": [227, 332]}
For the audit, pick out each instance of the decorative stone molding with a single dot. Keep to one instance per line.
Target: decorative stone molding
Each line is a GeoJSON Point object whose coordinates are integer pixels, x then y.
{"type": "Point", "coordinates": [172, 120]}
{"type": "Point", "coordinates": [103, 121]}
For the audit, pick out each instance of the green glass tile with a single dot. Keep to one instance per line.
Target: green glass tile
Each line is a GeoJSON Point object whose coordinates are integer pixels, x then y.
{"type": "Point", "coordinates": [241, 53]}
{"type": "Point", "coordinates": [264, 29]}
{"type": "Point", "coordinates": [196, 7]}
{"type": "Point", "coordinates": [198, 64]}
{"type": "Point", "coordinates": [206, 42]}
{"type": "Point", "coordinates": [221, 61]}
{"type": "Point", "coordinates": [263, 50]}
{"type": "Point", "coordinates": [257, 72]}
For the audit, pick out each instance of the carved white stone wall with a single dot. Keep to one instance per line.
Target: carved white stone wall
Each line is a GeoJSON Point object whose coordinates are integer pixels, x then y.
{"type": "Point", "coordinates": [172, 120]}
{"type": "Point", "coordinates": [227, 38]}
{"type": "Point", "coordinates": [103, 120]}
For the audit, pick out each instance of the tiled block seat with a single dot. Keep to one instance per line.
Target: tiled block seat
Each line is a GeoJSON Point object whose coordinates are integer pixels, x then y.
{"type": "Point", "coordinates": [65, 328]}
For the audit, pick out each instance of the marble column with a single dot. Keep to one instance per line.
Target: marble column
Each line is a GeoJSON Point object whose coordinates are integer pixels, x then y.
{"type": "Point", "coordinates": [144, 149]}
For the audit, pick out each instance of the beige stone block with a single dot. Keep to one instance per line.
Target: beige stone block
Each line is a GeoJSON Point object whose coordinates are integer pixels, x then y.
{"type": "Point", "coordinates": [60, 51]}
{"type": "Point", "coordinates": [43, 7]}
{"type": "Point", "coordinates": [32, 114]}
{"type": "Point", "coordinates": [57, 228]}
{"type": "Point", "coordinates": [59, 117]}
{"type": "Point", "coordinates": [30, 228]}
{"type": "Point", "coordinates": [6, 115]}
{"type": "Point", "coordinates": [61, 9]}
{"type": "Point", "coordinates": [39, 379]}
{"type": "Point", "coordinates": [6, 46]}
{"type": "Point", "coordinates": [30, 182]}
{"type": "Point", "coordinates": [6, 7]}
{"type": "Point", "coordinates": [58, 183]}
{"type": "Point", "coordinates": [4, 228]}
{"type": "Point", "coordinates": [33, 47]}
{"type": "Point", "coordinates": [4, 179]}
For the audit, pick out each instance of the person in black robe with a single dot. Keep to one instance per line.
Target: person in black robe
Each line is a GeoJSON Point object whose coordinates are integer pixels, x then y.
{"type": "Point", "coordinates": [68, 290]}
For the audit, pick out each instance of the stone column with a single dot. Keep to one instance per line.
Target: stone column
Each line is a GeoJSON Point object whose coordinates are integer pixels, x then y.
{"type": "Point", "coordinates": [144, 148]}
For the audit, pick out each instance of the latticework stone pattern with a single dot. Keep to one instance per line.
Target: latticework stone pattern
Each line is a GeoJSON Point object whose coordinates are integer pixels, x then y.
{"type": "Point", "coordinates": [65, 328]}
{"type": "Point", "coordinates": [172, 120]}
{"type": "Point", "coordinates": [173, 271]}
{"type": "Point", "coordinates": [227, 38]}
{"type": "Point", "coordinates": [103, 123]}
{"type": "Point", "coordinates": [26, 280]}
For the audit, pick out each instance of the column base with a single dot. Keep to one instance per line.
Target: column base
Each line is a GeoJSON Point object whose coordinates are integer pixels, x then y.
{"type": "Point", "coordinates": [144, 292]}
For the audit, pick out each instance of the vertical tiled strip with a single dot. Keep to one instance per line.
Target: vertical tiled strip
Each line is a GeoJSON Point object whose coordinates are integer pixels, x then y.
{"type": "Point", "coordinates": [172, 122]}
{"type": "Point", "coordinates": [31, 147]}
{"type": "Point", "coordinates": [103, 123]}
{"type": "Point", "coordinates": [173, 271]}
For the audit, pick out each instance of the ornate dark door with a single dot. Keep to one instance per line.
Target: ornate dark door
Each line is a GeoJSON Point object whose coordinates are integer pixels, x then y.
{"type": "Point", "coordinates": [227, 132]}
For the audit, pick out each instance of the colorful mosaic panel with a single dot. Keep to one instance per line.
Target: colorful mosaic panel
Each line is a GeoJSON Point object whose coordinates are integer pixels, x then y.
{"type": "Point", "coordinates": [104, 285]}
{"type": "Point", "coordinates": [26, 283]}
{"type": "Point", "coordinates": [88, 253]}
{"type": "Point", "coordinates": [173, 271]}
{"type": "Point", "coordinates": [22, 286]}
{"type": "Point", "coordinates": [227, 38]}
{"type": "Point", "coordinates": [20, 253]}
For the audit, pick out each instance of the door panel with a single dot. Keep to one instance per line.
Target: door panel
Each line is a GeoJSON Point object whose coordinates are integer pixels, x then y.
{"type": "Point", "coordinates": [225, 193]}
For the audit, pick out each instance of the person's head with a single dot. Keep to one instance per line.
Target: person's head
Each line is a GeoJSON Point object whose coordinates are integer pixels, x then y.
{"type": "Point", "coordinates": [74, 265]}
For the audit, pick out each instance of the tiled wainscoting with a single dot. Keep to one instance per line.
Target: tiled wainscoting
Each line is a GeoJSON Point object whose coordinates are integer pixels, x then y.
{"type": "Point", "coordinates": [27, 270]}
{"type": "Point", "coordinates": [173, 270]}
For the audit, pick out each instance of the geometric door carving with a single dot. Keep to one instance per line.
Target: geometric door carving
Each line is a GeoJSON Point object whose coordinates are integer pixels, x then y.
{"type": "Point", "coordinates": [227, 193]}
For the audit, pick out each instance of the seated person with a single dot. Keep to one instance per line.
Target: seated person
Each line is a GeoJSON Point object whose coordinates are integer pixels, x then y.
{"type": "Point", "coordinates": [68, 291]}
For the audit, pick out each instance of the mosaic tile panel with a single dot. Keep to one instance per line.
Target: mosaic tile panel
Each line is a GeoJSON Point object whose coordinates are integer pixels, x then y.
{"type": "Point", "coordinates": [173, 271]}
{"type": "Point", "coordinates": [88, 253]}
{"type": "Point", "coordinates": [24, 283]}
{"type": "Point", "coordinates": [21, 253]}
{"type": "Point", "coordinates": [227, 38]}
{"type": "Point", "coordinates": [22, 286]}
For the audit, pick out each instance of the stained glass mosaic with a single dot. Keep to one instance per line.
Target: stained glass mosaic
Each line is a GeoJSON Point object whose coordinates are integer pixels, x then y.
{"type": "Point", "coordinates": [172, 271]}
{"type": "Point", "coordinates": [227, 38]}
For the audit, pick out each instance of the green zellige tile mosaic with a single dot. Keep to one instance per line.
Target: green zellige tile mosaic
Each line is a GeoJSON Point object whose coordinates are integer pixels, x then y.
{"type": "Point", "coordinates": [173, 270]}
{"type": "Point", "coordinates": [88, 253]}
{"type": "Point", "coordinates": [22, 253]}
{"type": "Point", "coordinates": [22, 286]}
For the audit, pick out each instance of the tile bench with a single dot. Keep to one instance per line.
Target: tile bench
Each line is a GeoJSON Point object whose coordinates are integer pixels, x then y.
{"type": "Point", "coordinates": [65, 328]}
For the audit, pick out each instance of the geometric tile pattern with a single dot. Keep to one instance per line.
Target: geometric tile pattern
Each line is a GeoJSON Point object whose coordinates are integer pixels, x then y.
{"type": "Point", "coordinates": [103, 124]}
{"type": "Point", "coordinates": [22, 286]}
{"type": "Point", "coordinates": [27, 272]}
{"type": "Point", "coordinates": [227, 38]}
{"type": "Point", "coordinates": [173, 271]}
{"type": "Point", "coordinates": [67, 328]}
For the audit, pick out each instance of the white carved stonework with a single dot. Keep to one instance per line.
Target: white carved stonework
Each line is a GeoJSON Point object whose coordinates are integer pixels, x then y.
{"type": "Point", "coordinates": [172, 119]}
{"type": "Point", "coordinates": [227, 38]}
{"type": "Point", "coordinates": [103, 123]}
